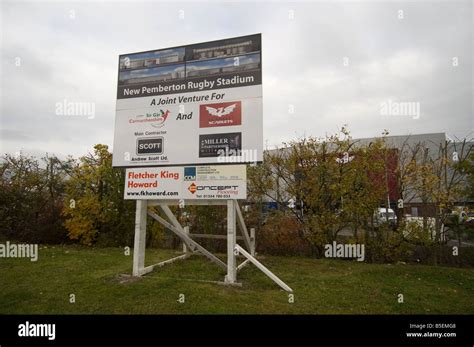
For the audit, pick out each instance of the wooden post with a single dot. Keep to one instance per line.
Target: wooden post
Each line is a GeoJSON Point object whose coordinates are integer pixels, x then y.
{"type": "Point", "coordinates": [185, 248]}
{"type": "Point", "coordinates": [252, 242]}
{"type": "Point", "coordinates": [231, 261]}
{"type": "Point", "coordinates": [140, 238]}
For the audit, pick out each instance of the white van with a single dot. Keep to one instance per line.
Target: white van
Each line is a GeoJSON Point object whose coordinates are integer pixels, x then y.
{"type": "Point", "coordinates": [380, 216]}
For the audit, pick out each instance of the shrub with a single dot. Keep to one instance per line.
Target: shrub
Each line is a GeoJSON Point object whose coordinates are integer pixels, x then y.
{"type": "Point", "coordinates": [280, 235]}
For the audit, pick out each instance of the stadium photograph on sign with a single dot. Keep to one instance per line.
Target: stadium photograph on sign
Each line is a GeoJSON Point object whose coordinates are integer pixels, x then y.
{"type": "Point", "coordinates": [181, 68]}
{"type": "Point", "coordinates": [180, 168]}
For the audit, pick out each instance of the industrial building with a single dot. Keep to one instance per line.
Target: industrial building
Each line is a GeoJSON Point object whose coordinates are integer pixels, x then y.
{"type": "Point", "coordinates": [432, 146]}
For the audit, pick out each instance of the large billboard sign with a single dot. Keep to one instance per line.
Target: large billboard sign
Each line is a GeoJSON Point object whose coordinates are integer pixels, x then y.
{"type": "Point", "coordinates": [191, 105]}
{"type": "Point", "coordinates": [186, 182]}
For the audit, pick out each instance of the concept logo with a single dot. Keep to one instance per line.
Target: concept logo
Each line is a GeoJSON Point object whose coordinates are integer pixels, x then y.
{"type": "Point", "coordinates": [221, 114]}
{"type": "Point", "coordinates": [190, 173]}
{"type": "Point", "coordinates": [155, 119]}
{"type": "Point", "coordinates": [192, 188]}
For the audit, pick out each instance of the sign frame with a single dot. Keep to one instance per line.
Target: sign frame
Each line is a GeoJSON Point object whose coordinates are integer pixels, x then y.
{"type": "Point", "coordinates": [249, 143]}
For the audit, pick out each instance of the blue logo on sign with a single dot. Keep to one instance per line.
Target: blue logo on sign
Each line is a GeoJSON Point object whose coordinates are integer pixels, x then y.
{"type": "Point", "coordinates": [190, 173]}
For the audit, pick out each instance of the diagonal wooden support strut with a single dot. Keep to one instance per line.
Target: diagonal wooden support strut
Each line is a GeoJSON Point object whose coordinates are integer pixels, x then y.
{"type": "Point", "coordinates": [262, 268]}
{"type": "Point", "coordinates": [243, 227]}
{"type": "Point", "coordinates": [178, 230]}
{"type": "Point", "coordinates": [234, 215]}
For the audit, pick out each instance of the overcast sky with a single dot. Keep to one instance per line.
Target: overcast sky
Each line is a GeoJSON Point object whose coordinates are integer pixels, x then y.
{"type": "Point", "coordinates": [331, 63]}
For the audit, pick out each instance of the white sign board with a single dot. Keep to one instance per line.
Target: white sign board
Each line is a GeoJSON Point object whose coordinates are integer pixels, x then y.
{"type": "Point", "coordinates": [191, 105]}
{"type": "Point", "coordinates": [186, 182]}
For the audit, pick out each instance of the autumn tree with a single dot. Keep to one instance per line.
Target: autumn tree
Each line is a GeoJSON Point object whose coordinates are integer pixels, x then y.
{"type": "Point", "coordinates": [31, 198]}
{"type": "Point", "coordinates": [438, 178]}
{"type": "Point", "coordinates": [336, 184]}
{"type": "Point", "coordinates": [95, 208]}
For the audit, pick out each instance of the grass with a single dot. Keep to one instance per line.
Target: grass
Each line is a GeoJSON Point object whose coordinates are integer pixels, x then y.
{"type": "Point", "coordinates": [321, 286]}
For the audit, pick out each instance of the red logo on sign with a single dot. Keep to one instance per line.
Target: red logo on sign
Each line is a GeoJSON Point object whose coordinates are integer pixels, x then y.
{"type": "Point", "coordinates": [220, 115]}
{"type": "Point", "coordinates": [192, 188]}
